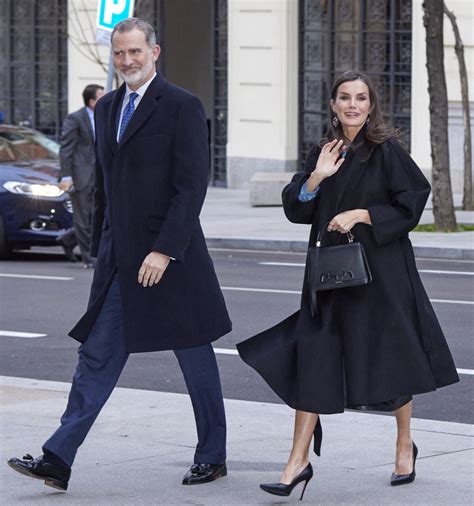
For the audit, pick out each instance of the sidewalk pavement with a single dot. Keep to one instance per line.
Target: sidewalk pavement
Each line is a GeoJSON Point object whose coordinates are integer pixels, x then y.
{"type": "Point", "coordinates": [143, 442]}
{"type": "Point", "coordinates": [229, 221]}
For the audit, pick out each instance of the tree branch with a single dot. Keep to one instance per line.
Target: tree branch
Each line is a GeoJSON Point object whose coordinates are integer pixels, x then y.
{"type": "Point", "coordinates": [467, 200]}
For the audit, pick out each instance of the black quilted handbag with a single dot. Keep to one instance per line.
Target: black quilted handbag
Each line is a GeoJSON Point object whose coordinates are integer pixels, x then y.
{"type": "Point", "coordinates": [335, 267]}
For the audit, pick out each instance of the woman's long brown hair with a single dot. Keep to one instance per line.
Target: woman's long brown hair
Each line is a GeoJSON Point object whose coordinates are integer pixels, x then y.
{"type": "Point", "coordinates": [376, 129]}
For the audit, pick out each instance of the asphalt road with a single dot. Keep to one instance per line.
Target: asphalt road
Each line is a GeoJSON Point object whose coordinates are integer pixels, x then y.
{"type": "Point", "coordinates": [260, 288]}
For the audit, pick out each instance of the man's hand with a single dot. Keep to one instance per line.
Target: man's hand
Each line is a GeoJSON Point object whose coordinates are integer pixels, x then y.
{"type": "Point", "coordinates": [343, 222]}
{"type": "Point", "coordinates": [65, 185]}
{"type": "Point", "coordinates": [153, 268]}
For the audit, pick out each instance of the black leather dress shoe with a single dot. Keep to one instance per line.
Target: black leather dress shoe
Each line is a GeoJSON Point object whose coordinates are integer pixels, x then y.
{"type": "Point", "coordinates": [53, 475]}
{"type": "Point", "coordinates": [204, 473]}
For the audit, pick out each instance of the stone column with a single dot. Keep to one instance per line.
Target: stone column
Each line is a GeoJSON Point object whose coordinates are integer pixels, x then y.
{"type": "Point", "coordinates": [263, 88]}
{"type": "Point", "coordinates": [82, 70]}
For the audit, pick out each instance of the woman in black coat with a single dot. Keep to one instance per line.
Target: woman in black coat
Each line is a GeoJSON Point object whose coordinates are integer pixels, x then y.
{"type": "Point", "coordinates": [369, 347]}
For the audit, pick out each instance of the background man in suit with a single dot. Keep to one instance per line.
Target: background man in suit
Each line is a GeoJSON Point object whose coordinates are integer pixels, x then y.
{"type": "Point", "coordinates": [154, 285]}
{"type": "Point", "coordinates": [76, 175]}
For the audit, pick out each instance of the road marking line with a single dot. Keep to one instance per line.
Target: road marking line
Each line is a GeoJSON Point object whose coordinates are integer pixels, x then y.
{"type": "Point", "coordinates": [226, 351]}
{"type": "Point", "coordinates": [34, 276]}
{"type": "Point", "coordinates": [425, 271]}
{"type": "Point", "coordinates": [469, 372]}
{"type": "Point", "coordinates": [27, 335]}
{"type": "Point", "coordinates": [262, 290]}
{"type": "Point", "coordinates": [452, 260]}
{"type": "Point", "coordinates": [298, 292]}
{"type": "Point", "coordinates": [282, 264]}
{"type": "Point", "coordinates": [458, 273]}
{"type": "Point", "coordinates": [446, 301]}
{"type": "Point", "coordinates": [258, 251]}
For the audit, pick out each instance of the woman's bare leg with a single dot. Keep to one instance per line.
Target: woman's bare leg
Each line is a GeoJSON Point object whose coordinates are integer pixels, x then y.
{"type": "Point", "coordinates": [404, 454]}
{"type": "Point", "coordinates": [305, 424]}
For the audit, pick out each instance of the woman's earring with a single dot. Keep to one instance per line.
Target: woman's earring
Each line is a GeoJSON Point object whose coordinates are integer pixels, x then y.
{"type": "Point", "coordinates": [367, 120]}
{"type": "Point", "coordinates": [335, 121]}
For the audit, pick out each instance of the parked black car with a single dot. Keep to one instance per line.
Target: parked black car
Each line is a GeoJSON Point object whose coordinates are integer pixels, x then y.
{"type": "Point", "coordinates": [34, 211]}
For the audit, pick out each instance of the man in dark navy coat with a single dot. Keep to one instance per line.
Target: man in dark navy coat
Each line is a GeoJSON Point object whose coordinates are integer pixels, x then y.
{"type": "Point", "coordinates": [154, 287]}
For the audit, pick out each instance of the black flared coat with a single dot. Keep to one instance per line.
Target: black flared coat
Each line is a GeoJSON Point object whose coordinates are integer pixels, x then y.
{"type": "Point", "coordinates": [370, 346]}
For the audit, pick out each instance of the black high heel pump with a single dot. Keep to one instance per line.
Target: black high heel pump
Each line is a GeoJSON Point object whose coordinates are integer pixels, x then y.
{"type": "Point", "coordinates": [284, 489]}
{"type": "Point", "coordinates": [403, 479]}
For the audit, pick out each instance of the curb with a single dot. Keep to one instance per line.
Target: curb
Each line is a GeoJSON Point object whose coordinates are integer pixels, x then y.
{"type": "Point", "coordinates": [298, 246]}
{"type": "Point", "coordinates": [447, 253]}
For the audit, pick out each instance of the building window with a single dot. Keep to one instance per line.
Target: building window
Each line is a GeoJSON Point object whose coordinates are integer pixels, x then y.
{"type": "Point", "coordinates": [33, 81]}
{"type": "Point", "coordinates": [373, 36]}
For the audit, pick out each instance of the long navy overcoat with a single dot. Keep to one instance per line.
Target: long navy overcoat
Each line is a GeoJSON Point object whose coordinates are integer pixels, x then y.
{"type": "Point", "coordinates": [149, 190]}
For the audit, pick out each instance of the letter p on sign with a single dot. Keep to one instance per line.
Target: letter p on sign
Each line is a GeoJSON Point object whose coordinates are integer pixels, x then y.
{"type": "Point", "coordinates": [111, 12]}
{"type": "Point", "coordinates": [113, 8]}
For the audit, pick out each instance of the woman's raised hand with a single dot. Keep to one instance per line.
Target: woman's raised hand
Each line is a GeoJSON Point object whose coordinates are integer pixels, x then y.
{"type": "Point", "coordinates": [328, 163]}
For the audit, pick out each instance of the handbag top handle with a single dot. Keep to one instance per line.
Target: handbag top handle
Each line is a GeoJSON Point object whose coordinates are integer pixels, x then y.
{"type": "Point", "coordinates": [319, 240]}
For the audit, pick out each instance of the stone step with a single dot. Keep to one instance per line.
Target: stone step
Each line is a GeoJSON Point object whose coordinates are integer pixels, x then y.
{"type": "Point", "coordinates": [266, 188]}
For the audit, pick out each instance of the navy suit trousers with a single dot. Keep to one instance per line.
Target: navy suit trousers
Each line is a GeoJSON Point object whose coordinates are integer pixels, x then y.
{"type": "Point", "coordinates": [101, 360]}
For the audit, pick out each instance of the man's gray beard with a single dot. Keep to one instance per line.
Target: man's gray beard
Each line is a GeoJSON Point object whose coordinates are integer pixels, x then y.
{"type": "Point", "coordinates": [137, 76]}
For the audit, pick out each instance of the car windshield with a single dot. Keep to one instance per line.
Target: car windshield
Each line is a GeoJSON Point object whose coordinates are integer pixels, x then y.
{"type": "Point", "coordinates": [23, 145]}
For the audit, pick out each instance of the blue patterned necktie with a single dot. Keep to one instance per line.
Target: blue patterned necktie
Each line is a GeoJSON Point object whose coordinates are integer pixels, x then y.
{"type": "Point", "coordinates": [127, 114]}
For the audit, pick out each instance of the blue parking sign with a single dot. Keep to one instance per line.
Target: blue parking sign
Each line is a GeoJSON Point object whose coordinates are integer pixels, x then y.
{"type": "Point", "coordinates": [111, 12]}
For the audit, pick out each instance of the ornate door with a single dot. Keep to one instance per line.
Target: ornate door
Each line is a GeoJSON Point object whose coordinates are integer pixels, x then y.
{"type": "Point", "coordinates": [33, 59]}
{"type": "Point", "coordinates": [369, 35]}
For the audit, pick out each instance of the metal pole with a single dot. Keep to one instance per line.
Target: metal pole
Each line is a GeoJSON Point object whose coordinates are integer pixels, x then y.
{"type": "Point", "coordinates": [110, 73]}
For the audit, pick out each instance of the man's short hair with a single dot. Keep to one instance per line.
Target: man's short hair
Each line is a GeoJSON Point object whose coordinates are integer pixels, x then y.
{"type": "Point", "coordinates": [89, 92]}
{"type": "Point", "coordinates": [131, 23]}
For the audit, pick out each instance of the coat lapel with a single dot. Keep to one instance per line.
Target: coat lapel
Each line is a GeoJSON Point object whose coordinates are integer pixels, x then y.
{"type": "Point", "coordinates": [353, 168]}
{"type": "Point", "coordinates": [145, 108]}
{"type": "Point", "coordinates": [114, 109]}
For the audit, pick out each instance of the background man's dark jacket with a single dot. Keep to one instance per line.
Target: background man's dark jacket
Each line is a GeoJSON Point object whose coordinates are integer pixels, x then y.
{"type": "Point", "coordinates": [150, 189]}
{"type": "Point", "coordinates": [76, 155]}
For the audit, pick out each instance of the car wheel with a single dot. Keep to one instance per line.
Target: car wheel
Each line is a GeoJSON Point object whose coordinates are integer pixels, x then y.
{"type": "Point", "coordinates": [5, 250]}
